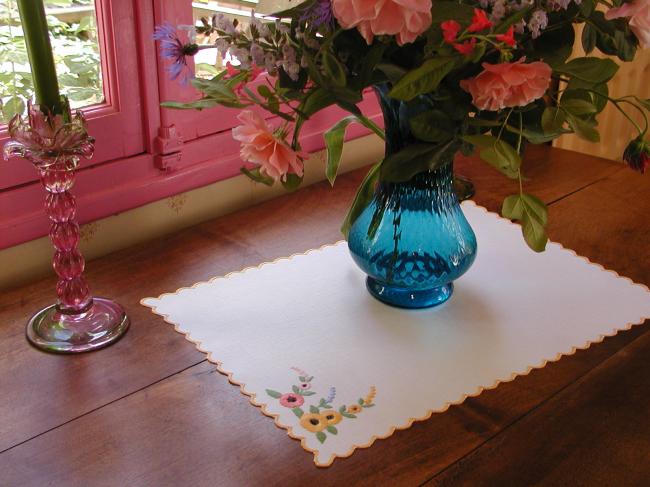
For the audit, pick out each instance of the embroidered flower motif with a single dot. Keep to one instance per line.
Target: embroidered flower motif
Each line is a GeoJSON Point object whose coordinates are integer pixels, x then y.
{"type": "Point", "coordinates": [354, 409]}
{"type": "Point", "coordinates": [332, 417]}
{"type": "Point", "coordinates": [313, 422]}
{"type": "Point", "coordinates": [322, 416]}
{"type": "Point", "coordinates": [292, 400]}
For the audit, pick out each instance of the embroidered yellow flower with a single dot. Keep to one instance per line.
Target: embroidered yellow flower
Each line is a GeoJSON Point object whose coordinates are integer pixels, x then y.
{"type": "Point", "coordinates": [354, 409]}
{"type": "Point", "coordinates": [313, 422]}
{"type": "Point", "coordinates": [332, 417]}
{"type": "Point", "coordinates": [371, 396]}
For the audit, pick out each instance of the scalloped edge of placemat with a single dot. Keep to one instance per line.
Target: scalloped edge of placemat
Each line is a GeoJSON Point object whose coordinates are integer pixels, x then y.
{"type": "Point", "coordinates": [289, 429]}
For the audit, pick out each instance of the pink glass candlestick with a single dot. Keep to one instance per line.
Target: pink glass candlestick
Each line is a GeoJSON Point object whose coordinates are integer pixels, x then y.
{"type": "Point", "coordinates": [78, 322]}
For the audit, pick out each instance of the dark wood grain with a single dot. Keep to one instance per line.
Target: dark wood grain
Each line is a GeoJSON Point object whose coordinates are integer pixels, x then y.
{"type": "Point", "coordinates": [151, 411]}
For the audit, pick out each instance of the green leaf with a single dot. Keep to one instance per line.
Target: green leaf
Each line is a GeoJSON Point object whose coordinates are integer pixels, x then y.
{"type": "Point", "coordinates": [348, 415]}
{"type": "Point", "coordinates": [273, 394]}
{"type": "Point", "coordinates": [583, 128]}
{"type": "Point", "coordinates": [555, 46]}
{"type": "Point", "coordinates": [416, 158]}
{"type": "Point", "coordinates": [334, 139]}
{"type": "Point", "coordinates": [577, 106]}
{"type": "Point", "coordinates": [360, 401]}
{"type": "Point", "coordinates": [422, 80]}
{"type": "Point", "coordinates": [13, 106]}
{"type": "Point", "coordinates": [308, 393]}
{"type": "Point", "coordinates": [334, 69]}
{"type": "Point", "coordinates": [316, 100]}
{"type": "Point", "coordinates": [313, 409]}
{"type": "Point", "coordinates": [590, 69]}
{"type": "Point", "coordinates": [296, 390]}
{"type": "Point", "coordinates": [498, 153]}
{"type": "Point", "coordinates": [393, 72]}
{"type": "Point", "coordinates": [533, 215]}
{"type": "Point", "coordinates": [302, 378]}
{"type": "Point", "coordinates": [292, 182]}
{"type": "Point", "coordinates": [257, 176]}
{"type": "Point", "coordinates": [362, 198]}
{"type": "Point", "coordinates": [431, 126]}
{"type": "Point", "coordinates": [332, 430]}
{"type": "Point", "coordinates": [298, 412]}
{"type": "Point", "coordinates": [342, 409]}
{"type": "Point", "coordinates": [320, 436]}
{"type": "Point", "coordinates": [589, 36]}
{"type": "Point", "coordinates": [552, 120]}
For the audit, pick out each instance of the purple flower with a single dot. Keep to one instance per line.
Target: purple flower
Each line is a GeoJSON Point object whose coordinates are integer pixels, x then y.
{"type": "Point", "coordinates": [173, 49]}
{"type": "Point", "coordinates": [319, 14]}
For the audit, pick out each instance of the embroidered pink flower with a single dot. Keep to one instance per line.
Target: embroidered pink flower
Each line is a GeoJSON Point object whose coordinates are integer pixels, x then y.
{"type": "Point", "coordinates": [406, 19]}
{"type": "Point", "coordinates": [639, 13]}
{"type": "Point", "coordinates": [261, 146]}
{"type": "Point", "coordinates": [292, 400]}
{"type": "Point", "coordinates": [305, 386]}
{"type": "Point", "coordinates": [508, 84]}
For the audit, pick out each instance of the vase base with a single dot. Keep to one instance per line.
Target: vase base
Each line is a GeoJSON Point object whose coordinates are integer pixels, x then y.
{"type": "Point", "coordinates": [102, 324]}
{"type": "Point", "coordinates": [408, 298]}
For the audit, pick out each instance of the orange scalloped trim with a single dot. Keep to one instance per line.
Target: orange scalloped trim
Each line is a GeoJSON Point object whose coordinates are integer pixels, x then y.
{"type": "Point", "coordinates": [410, 421]}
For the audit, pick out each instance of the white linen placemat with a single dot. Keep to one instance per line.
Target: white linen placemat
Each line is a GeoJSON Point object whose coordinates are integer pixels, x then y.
{"type": "Point", "coordinates": [337, 369]}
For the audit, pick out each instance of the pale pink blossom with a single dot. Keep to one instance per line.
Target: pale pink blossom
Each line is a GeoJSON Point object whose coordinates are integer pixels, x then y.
{"type": "Point", "coordinates": [261, 146]}
{"type": "Point", "coordinates": [508, 84]}
{"type": "Point", "coordinates": [406, 19]}
{"type": "Point", "coordinates": [639, 13]}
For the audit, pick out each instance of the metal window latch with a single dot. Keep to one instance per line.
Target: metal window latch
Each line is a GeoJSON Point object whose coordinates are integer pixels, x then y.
{"type": "Point", "coordinates": [169, 148]}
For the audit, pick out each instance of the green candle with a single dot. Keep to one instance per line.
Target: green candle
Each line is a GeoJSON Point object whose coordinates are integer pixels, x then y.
{"type": "Point", "coordinates": [39, 49]}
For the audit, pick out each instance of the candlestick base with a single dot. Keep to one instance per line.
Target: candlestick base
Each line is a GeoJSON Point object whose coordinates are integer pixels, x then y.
{"type": "Point", "coordinates": [103, 323]}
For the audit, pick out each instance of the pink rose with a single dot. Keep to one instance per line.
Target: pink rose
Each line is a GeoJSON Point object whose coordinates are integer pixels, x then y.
{"type": "Point", "coordinates": [406, 19]}
{"type": "Point", "coordinates": [259, 145]}
{"type": "Point", "coordinates": [639, 13]}
{"type": "Point", "coordinates": [508, 84]}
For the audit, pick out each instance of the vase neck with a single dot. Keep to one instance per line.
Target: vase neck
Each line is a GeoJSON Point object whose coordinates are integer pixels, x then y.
{"type": "Point", "coordinates": [397, 115]}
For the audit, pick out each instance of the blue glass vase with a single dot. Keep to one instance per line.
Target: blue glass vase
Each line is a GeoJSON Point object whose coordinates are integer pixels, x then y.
{"type": "Point", "coordinates": [412, 240]}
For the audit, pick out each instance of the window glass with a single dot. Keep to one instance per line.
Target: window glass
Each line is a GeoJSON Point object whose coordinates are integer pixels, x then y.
{"type": "Point", "coordinates": [73, 33]}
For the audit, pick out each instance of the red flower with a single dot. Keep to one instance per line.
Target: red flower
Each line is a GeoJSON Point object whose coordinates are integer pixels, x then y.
{"type": "Point", "coordinates": [637, 155]}
{"type": "Point", "coordinates": [508, 37]}
{"type": "Point", "coordinates": [450, 30]}
{"type": "Point", "coordinates": [466, 47]}
{"type": "Point", "coordinates": [479, 21]}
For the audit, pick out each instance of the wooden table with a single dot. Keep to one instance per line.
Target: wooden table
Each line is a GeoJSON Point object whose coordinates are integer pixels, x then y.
{"type": "Point", "coordinates": [151, 411]}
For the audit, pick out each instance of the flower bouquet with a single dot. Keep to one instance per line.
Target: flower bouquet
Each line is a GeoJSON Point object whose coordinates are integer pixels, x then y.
{"type": "Point", "coordinates": [490, 76]}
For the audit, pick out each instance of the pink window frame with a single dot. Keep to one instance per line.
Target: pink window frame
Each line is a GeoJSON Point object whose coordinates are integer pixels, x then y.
{"type": "Point", "coordinates": [167, 164]}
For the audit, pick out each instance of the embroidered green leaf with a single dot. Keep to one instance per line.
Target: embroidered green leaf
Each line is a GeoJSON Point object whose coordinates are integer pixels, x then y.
{"type": "Point", "coordinates": [360, 401]}
{"type": "Point", "coordinates": [274, 394]}
{"type": "Point", "coordinates": [302, 378]}
{"type": "Point", "coordinates": [320, 436]}
{"type": "Point", "coordinates": [368, 405]}
{"type": "Point", "coordinates": [307, 393]}
{"type": "Point", "coordinates": [313, 409]}
{"type": "Point", "coordinates": [298, 412]}
{"type": "Point", "coordinates": [342, 409]}
{"type": "Point", "coordinates": [348, 415]}
{"type": "Point", "coordinates": [332, 429]}
{"type": "Point", "coordinates": [309, 379]}
{"type": "Point", "coordinates": [296, 390]}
